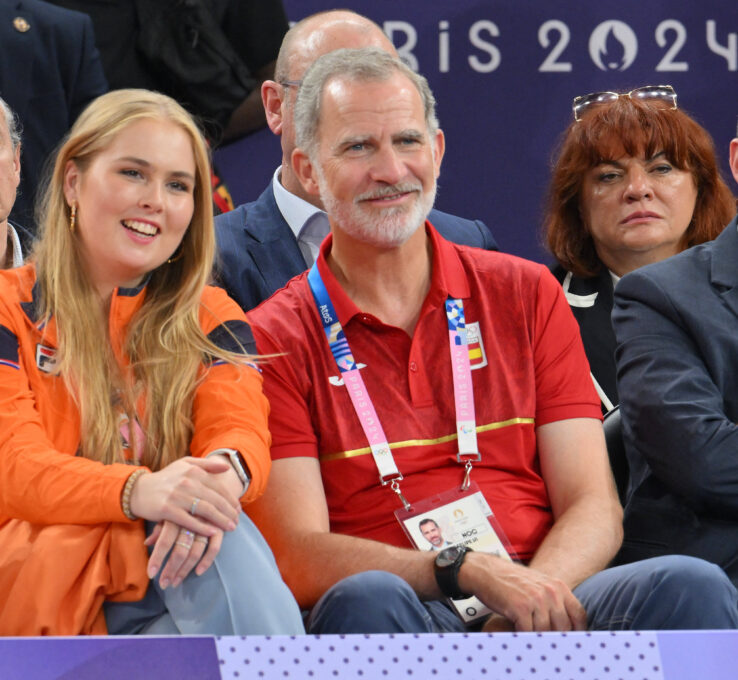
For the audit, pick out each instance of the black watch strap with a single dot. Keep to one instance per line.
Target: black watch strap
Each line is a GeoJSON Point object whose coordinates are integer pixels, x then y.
{"type": "Point", "coordinates": [446, 567]}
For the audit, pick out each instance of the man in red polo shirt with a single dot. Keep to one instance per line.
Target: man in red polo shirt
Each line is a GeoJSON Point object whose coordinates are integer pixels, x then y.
{"type": "Point", "coordinates": [412, 375]}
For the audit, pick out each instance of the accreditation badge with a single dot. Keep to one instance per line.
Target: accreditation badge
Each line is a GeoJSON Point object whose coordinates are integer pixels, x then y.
{"type": "Point", "coordinates": [457, 517]}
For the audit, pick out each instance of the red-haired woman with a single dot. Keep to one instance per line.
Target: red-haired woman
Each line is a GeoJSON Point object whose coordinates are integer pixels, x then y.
{"type": "Point", "coordinates": [635, 181]}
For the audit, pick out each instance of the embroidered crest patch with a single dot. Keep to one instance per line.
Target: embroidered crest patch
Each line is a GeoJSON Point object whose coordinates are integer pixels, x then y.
{"type": "Point", "coordinates": [45, 358]}
{"type": "Point", "coordinates": [477, 357]}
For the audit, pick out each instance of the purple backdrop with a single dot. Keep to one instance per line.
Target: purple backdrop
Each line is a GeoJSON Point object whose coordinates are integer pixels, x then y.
{"type": "Point", "coordinates": [504, 74]}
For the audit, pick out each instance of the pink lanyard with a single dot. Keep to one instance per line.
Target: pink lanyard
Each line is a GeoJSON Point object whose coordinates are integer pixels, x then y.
{"type": "Point", "coordinates": [367, 415]}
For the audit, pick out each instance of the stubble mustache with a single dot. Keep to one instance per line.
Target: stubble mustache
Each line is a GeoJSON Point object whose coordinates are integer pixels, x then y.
{"type": "Point", "coordinates": [381, 192]}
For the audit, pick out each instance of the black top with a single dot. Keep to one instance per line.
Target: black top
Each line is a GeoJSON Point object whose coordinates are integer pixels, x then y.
{"type": "Point", "coordinates": [49, 71]}
{"type": "Point", "coordinates": [591, 302]}
{"type": "Point", "coordinates": [254, 29]}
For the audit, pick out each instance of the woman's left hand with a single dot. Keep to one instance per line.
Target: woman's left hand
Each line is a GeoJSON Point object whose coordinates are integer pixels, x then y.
{"type": "Point", "coordinates": [188, 551]}
{"type": "Point", "coordinates": [192, 492]}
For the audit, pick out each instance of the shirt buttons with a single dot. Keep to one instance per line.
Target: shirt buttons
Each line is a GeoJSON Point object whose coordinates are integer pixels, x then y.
{"type": "Point", "coordinates": [413, 366]}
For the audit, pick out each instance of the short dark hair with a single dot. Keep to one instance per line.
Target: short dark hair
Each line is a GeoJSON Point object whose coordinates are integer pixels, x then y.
{"type": "Point", "coordinates": [631, 126]}
{"type": "Point", "coordinates": [427, 520]}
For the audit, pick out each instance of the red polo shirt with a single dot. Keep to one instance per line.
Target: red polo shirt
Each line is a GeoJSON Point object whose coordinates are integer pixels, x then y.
{"type": "Point", "coordinates": [529, 368]}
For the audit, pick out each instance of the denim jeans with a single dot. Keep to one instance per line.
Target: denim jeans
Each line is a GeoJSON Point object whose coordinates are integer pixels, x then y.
{"type": "Point", "coordinates": [663, 593]}
{"type": "Point", "coordinates": [242, 593]}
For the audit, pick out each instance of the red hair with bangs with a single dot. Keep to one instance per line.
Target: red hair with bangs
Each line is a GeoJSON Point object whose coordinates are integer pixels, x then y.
{"type": "Point", "coordinates": [636, 128]}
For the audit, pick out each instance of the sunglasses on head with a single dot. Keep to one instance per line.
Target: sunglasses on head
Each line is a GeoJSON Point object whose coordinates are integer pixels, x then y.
{"type": "Point", "coordinates": [583, 103]}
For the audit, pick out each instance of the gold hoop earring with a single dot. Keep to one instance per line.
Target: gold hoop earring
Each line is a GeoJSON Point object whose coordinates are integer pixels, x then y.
{"type": "Point", "coordinates": [72, 216]}
{"type": "Point", "coordinates": [177, 256]}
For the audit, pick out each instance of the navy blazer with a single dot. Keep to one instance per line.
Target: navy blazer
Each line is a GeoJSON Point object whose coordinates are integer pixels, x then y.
{"type": "Point", "coordinates": [590, 300]}
{"type": "Point", "coordinates": [258, 252]}
{"type": "Point", "coordinates": [676, 324]}
{"type": "Point", "coordinates": [49, 71]}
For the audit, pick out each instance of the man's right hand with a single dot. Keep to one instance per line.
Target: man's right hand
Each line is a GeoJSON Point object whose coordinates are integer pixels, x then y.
{"type": "Point", "coordinates": [528, 599]}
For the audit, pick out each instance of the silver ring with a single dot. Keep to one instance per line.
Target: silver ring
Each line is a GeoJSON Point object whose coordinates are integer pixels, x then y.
{"type": "Point", "coordinates": [193, 507]}
{"type": "Point", "coordinates": [188, 535]}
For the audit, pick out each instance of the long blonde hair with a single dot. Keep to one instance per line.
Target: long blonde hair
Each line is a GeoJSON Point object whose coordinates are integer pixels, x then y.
{"type": "Point", "coordinates": [163, 342]}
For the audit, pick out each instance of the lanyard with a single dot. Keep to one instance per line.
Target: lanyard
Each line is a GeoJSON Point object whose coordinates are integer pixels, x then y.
{"type": "Point", "coordinates": [463, 390]}
{"type": "Point", "coordinates": [466, 425]}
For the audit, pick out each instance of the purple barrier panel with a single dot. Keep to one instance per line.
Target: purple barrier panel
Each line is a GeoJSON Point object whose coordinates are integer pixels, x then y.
{"type": "Point", "coordinates": [700, 654]}
{"type": "Point", "coordinates": [672, 655]}
{"type": "Point", "coordinates": [109, 658]}
{"type": "Point", "coordinates": [585, 656]}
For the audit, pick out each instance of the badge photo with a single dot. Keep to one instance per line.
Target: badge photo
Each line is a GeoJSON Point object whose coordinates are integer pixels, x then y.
{"type": "Point", "coordinates": [457, 518]}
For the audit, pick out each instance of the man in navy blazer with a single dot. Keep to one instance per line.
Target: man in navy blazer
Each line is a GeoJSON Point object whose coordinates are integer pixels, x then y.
{"type": "Point", "coordinates": [676, 324]}
{"type": "Point", "coordinates": [263, 244]}
{"type": "Point", "coordinates": [49, 71]}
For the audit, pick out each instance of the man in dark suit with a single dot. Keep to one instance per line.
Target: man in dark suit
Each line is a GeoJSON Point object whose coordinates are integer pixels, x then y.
{"type": "Point", "coordinates": [49, 71]}
{"type": "Point", "coordinates": [676, 324]}
{"type": "Point", "coordinates": [265, 243]}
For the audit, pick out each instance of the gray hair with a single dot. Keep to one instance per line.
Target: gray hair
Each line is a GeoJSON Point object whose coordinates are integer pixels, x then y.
{"type": "Point", "coordinates": [12, 123]}
{"type": "Point", "coordinates": [363, 65]}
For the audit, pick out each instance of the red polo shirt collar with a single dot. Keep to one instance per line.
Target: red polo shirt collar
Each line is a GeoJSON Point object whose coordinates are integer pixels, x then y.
{"type": "Point", "coordinates": [447, 277]}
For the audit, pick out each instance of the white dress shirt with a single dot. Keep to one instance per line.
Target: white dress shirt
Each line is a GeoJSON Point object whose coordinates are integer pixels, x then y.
{"type": "Point", "coordinates": [14, 241]}
{"type": "Point", "coordinates": [308, 223]}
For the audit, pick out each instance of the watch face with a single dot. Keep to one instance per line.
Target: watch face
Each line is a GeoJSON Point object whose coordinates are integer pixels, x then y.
{"type": "Point", "coordinates": [448, 556]}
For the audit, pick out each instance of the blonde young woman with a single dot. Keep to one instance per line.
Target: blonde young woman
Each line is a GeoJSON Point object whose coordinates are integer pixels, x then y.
{"type": "Point", "coordinates": [128, 405]}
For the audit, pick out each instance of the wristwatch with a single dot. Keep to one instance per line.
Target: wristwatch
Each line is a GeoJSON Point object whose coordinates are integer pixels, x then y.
{"type": "Point", "coordinates": [446, 567]}
{"type": "Point", "coordinates": [238, 463]}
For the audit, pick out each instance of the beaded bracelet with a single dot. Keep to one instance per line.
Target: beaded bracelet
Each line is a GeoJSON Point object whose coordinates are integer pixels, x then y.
{"type": "Point", "coordinates": [125, 499]}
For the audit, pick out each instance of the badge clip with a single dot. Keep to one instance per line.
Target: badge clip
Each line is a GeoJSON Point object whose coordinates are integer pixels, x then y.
{"type": "Point", "coordinates": [467, 458]}
{"type": "Point", "coordinates": [467, 476]}
{"type": "Point", "coordinates": [394, 483]}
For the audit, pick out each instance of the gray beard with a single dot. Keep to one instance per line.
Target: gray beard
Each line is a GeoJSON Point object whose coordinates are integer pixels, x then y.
{"type": "Point", "coordinates": [387, 228]}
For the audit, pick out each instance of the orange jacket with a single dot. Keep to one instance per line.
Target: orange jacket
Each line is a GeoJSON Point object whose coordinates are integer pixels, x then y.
{"type": "Point", "coordinates": [66, 544]}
